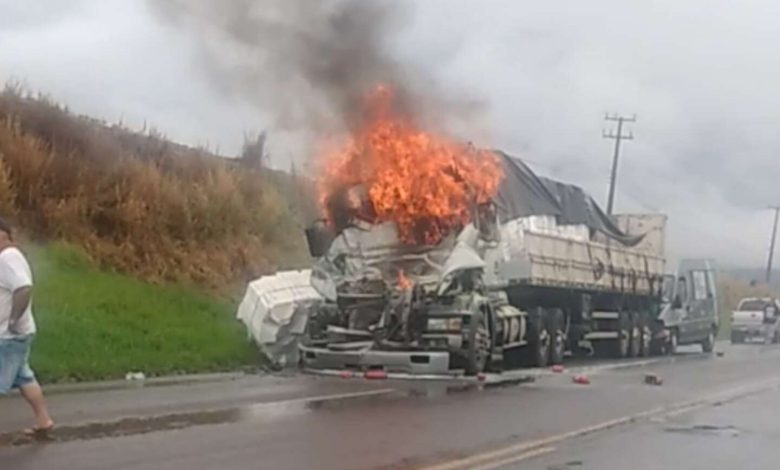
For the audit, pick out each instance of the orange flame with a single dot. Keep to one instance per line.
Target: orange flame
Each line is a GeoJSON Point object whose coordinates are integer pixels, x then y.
{"type": "Point", "coordinates": [424, 183]}
{"type": "Point", "coordinates": [404, 283]}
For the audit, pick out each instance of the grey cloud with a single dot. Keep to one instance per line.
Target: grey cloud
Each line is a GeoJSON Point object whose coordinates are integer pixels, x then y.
{"type": "Point", "coordinates": [533, 78]}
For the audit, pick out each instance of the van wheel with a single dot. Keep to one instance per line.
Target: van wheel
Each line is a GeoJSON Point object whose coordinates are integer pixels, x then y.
{"type": "Point", "coordinates": [709, 343]}
{"type": "Point", "coordinates": [671, 345]}
{"type": "Point", "coordinates": [737, 337]}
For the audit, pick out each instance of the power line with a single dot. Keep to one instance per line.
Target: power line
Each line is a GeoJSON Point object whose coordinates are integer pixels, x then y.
{"type": "Point", "coordinates": [618, 136]}
{"type": "Point", "coordinates": [772, 244]}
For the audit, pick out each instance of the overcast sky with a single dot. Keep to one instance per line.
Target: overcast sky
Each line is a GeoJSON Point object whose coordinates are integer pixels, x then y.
{"type": "Point", "coordinates": [701, 75]}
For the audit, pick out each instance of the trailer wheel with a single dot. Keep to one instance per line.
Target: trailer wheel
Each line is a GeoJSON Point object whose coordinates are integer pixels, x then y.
{"type": "Point", "coordinates": [636, 336]}
{"type": "Point", "coordinates": [555, 330]}
{"type": "Point", "coordinates": [646, 340]}
{"type": "Point", "coordinates": [480, 344]}
{"type": "Point", "coordinates": [538, 348]}
{"type": "Point", "coordinates": [622, 345]}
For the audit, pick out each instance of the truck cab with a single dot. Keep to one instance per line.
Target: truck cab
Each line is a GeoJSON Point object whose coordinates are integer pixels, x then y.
{"type": "Point", "coordinates": [689, 307]}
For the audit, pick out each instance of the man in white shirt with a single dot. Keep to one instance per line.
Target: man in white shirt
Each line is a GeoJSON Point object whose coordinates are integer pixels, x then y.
{"type": "Point", "coordinates": [17, 329]}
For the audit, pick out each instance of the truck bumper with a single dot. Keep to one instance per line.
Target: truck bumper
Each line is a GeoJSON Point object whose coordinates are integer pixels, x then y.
{"type": "Point", "coordinates": [415, 363]}
{"type": "Point", "coordinates": [751, 332]}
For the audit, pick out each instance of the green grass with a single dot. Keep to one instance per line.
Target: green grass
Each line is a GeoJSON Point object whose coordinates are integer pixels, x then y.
{"type": "Point", "coordinates": [94, 324]}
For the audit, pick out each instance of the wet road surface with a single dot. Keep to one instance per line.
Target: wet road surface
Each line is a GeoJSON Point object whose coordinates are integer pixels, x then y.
{"type": "Point", "coordinates": [307, 422]}
{"type": "Point", "coordinates": [740, 435]}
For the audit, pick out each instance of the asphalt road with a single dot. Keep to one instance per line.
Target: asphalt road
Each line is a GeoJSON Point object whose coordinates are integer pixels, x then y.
{"type": "Point", "coordinates": [617, 422]}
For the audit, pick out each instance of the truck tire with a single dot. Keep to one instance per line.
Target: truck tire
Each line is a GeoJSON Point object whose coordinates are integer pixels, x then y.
{"type": "Point", "coordinates": [709, 343]}
{"type": "Point", "coordinates": [556, 331]}
{"type": "Point", "coordinates": [538, 348]}
{"type": "Point", "coordinates": [622, 345]}
{"type": "Point", "coordinates": [635, 346]}
{"type": "Point", "coordinates": [646, 339]}
{"type": "Point", "coordinates": [480, 343]}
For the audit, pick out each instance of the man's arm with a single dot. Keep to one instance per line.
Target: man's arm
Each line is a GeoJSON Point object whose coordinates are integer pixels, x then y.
{"type": "Point", "coordinates": [20, 302]}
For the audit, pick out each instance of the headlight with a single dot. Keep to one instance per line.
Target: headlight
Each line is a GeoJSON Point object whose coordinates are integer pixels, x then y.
{"type": "Point", "coordinates": [445, 324]}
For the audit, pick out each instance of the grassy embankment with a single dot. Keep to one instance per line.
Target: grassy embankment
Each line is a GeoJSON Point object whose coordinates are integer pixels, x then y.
{"type": "Point", "coordinates": [95, 324]}
{"type": "Point", "coordinates": [140, 246]}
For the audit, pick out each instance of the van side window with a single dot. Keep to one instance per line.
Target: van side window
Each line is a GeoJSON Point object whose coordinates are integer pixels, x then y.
{"type": "Point", "coordinates": [700, 287]}
{"type": "Point", "coordinates": [682, 289]}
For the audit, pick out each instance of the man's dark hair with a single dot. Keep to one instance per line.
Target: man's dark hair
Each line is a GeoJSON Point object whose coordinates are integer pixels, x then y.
{"type": "Point", "coordinates": [5, 227]}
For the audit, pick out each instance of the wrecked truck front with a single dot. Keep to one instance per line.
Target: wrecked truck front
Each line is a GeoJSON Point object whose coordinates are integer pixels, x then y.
{"type": "Point", "coordinates": [391, 306]}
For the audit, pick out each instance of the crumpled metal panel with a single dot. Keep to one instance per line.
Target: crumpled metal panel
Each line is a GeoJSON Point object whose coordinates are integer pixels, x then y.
{"type": "Point", "coordinates": [275, 312]}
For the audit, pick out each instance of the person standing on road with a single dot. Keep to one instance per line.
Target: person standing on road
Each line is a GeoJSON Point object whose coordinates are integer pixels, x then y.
{"type": "Point", "coordinates": [17, 329]}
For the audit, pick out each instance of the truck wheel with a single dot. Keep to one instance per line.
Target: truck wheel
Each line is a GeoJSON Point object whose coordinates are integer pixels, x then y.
{"type": "Point", "coordinates": [646, 336]}
{"type": "Point", "coordinates": [622, 345]}
{"type": "Point", "coordinates": [538, 347]}
{"type": "Point", "coordinates": [555, 330]}
{"type": "Point", "coordinates": [636, 336]}
{"type": "Point", "coordinates": [709, 343]}
{"type": "Point", "coordinates": [480, 344]}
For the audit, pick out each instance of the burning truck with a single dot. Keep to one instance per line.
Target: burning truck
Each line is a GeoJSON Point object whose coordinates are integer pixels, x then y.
{"type": "Point", "coordinates": [435, 257]}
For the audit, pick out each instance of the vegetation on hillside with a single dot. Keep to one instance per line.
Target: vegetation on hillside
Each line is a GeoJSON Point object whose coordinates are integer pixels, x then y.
{"type": "Point", "coordinates": [140, 204]}
{"type": "Point", "coordinates": [98, 325]}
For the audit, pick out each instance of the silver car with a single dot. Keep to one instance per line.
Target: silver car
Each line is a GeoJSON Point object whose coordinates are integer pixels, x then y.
{"type": "Point", "coordinates": [756, 319]}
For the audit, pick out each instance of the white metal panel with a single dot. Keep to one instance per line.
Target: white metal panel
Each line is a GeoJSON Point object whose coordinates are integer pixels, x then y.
{"type": "Point", "coordinates": [271, 308]}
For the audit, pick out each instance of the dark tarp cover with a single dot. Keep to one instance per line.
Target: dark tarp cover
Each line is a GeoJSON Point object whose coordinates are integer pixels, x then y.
{"type": "Point", "coordinates": [523, 193]}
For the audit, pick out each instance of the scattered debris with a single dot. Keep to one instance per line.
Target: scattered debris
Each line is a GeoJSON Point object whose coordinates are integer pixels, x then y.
{"type": "Point", "coordinates": [653, 379]}
{"type": "Point", "coordinates": [135, 376]}
{"type": "Point", "coordinates": [375, 375]}
{"type": "Point", "coordinates": [581, 380]}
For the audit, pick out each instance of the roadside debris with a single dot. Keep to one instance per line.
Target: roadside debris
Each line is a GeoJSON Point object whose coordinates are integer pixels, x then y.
{"type": "Point", "coordinates": [557, 368]}
{"type": "Point", "coordinates": [653, 379]}
{"type": "Point", "coordinates": [346, 374]}
{"type": "Point", "coordinates": [135, 376]}
{"type": "Point", "coordinates": [375, 375]}
{"type": "Point", "coordinates": [720, 353]}
{"type": "Point", "coordinates": [581, 380]}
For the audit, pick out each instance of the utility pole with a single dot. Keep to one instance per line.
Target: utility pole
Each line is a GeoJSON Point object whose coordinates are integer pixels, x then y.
{"type": "Point", "coordinates": [772, 245]}
{"type": "Point", "coordinates": [618, 136]}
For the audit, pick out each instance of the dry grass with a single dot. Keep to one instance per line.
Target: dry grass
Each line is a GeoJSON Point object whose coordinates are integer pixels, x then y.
{"type": "Point", "coordinates": [138, 203]}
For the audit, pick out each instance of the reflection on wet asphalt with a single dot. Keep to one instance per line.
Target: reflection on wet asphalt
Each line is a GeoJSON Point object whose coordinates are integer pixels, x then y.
{"type": "Point", "coordinates": [265, 412]}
